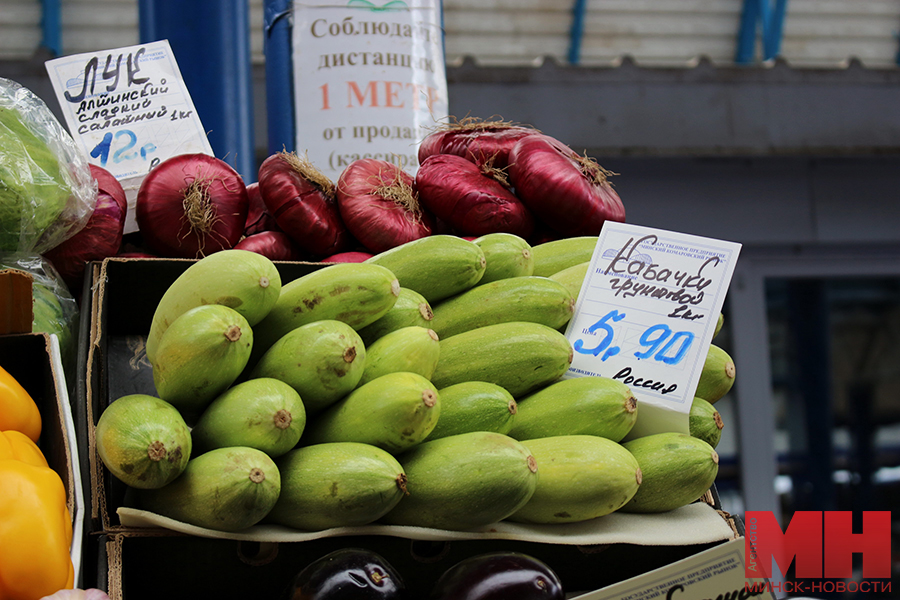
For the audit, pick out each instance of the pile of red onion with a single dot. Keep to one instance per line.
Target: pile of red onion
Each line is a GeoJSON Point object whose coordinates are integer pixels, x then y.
{"type": "Point", "coordinates": [101, 236]}
{"type": "Point", "coordinates": [519, 181]}
{"type": "Point", "coordinates": [380, 206]}
{"type": "Point", "coordinates": [474, 178]}
{"type": "Point", "coordinates": [191, 205]}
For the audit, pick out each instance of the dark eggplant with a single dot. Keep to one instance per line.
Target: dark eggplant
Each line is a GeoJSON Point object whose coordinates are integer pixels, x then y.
{"type": "Point", "coordinates": [348, 574]}
{"type": "Point", "coordinates": [498, 576]}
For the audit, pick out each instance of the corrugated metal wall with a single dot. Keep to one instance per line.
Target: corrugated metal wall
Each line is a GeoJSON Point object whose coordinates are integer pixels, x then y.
{"type": "Point", "coordinates": [817, 33]}
{"type": "Point", "coordinates": [20, 28]}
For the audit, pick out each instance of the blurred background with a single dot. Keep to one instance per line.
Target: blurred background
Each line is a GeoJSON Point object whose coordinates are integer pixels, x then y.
{"type": "Point", "coordinates": [771, 123]}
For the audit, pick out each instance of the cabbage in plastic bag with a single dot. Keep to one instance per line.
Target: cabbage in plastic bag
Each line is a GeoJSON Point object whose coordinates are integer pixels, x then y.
{"type": "Point", "coordinates": [54, 308]}
{"type": "Point", "coordinates": [47, 192]}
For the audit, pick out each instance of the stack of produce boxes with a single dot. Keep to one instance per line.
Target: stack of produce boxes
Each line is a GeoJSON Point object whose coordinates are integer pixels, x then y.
{"type": "Point", "coordinates": [247, 417]}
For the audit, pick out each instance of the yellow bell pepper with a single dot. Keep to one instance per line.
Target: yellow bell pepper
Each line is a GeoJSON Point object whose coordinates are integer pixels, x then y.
{"type": "Point", "coordinates": [35, 532]}
{"type": "Point", "coordinates": [17, 409]}
{"type": "Point", "coordinates": [15, 444]}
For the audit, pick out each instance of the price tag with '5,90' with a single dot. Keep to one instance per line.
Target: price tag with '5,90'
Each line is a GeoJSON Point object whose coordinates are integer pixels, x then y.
{"type": "Point", "coordinates": [646, 314]}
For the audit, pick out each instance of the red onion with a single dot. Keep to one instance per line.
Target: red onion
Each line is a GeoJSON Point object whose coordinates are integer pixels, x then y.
{"type": "Point", "coordinates": [482, 142]}
{"type": "Point", "coordinates": [259, 218]}
{"type": "Point", "coordinates": [274, 245]}
{"type": "Point", "coordinates": [100, 237]}
{"type": "Point", "coordinates": [379, 204]}
{"type": "Point", "coordinates": [191, 205]}
{"type": "Point", "coordinates": [348, 257]}
{"type": "Point", "coordinates": [301, 198]}
{"type": "Point", "coordinates": [472, 202]}
{"type": "Point", "coordinates": [568, 192]}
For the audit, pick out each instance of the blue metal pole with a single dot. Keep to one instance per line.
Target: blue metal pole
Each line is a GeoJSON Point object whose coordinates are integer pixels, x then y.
{"type": "Point", "coordinates": [279, 76]}
{"type": "Point", "coordinates": [760, 14]}
{"type": "Point", "coordinates": [577, 31]}
{"type": "Point", "coordinates": [51, 26]}
{"type": "Point", "coordinates": [775, 30]}
{"type": "Point", "coordinates": [746, 42]}
{"type": "Point", "coordinates": [211, 42]}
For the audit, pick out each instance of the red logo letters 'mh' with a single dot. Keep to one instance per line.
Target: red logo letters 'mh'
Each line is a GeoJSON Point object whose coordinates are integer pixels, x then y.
{"type": "Point", "coordinates": [874, 543]}
{"type": "Point", "coordinates": [803, 540]}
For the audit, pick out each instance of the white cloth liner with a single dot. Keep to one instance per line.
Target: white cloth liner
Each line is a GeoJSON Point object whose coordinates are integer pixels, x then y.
{"type": "Point", "coordinates": [697, 523]}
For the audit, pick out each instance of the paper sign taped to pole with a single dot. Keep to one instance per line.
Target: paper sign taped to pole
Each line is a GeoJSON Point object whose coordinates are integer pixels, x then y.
{"type": "Point", "coordinates": [369, 80]}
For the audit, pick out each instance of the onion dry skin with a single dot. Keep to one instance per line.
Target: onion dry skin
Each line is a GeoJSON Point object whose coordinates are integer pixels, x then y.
{"type": "Point", "coordinates": [568, 192]}
{"type": "Point", "coordinates": [301, 198]}
{"type": "Point", "coordinates": [259, 218]}
{"type": "Point", "coordinates": [380, 206]}
{"type": "Point", "coordinates": [348, 257]}
{"type": "Point", "coordinates": [473, 203]}
{"type": "Point", "coordinates": [190, 206]}
{"type": "Point", "coordinates": [274, 245]}
{"type": "Point", "coordinates": [100, 237]}
{"type": "Point", "coordinates": [481, 142]}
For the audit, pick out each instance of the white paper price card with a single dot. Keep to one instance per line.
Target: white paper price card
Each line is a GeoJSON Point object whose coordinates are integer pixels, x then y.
{"type": "Point", "coordinates": [646, 314]}
{"type": "Point", "coordinates": [718, 572]}
{"type": "Point", "coordinates": [129, 109]}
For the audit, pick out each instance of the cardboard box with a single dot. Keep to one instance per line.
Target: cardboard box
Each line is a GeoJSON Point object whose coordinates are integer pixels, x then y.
{"type": "Point", "coordinates": [178, 560]}
{"type": "Point", "coordinates": [33, 360]}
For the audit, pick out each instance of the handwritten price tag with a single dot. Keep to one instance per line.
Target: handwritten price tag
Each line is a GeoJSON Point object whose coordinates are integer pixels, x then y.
{"type": "Point", "coordinates": [129, 110]}
{"type": "Point", "coordinates": [646, 315]}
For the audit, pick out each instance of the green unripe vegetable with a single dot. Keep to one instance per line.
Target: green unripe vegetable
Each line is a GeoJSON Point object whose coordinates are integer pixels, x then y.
{"type": "Point", "coordinates": [587, 405]}
{"type": "Point", "coordinates": [526, 299]}
{"type": "Point", "coordinates": [436, 266]}
{"type": "Point", "coordinates": [582, 477]}
{"type": "Point", "coordinates": [554, 256]}
{"type": "Point", "coordinates": [411, 308]}
{"type": "Point", "coordinates": [705, 422]}
{"type": "Point", "coordinates": [465, 481]}
{"type": "Point", "coordinates": [677, 469]}
{"type": "Point", "coordinates": [262, 413]}
{"type": "Point", "coordinates": [200, 355]}
{"type": "Point", "coordinates": [342, 484]}
{"type": "Point", "coordinates": [474, 406]}
{"type": "Point", "coordinates": [506, 255]}
{"type": "Point", "coordinates": [519, 357]}
{"type": "Point", "coordinates": [323, 361]}
{"type": "Point", "coordinates": [227, 489]}
{"type": "Point", "coordinates": [717, 376]}
{"type": "Point", "coordinates": [357, 294]}
{"type": "Point", "coordinates": [572, 277]}
{"type": "Point", "coordinates": [410, 349]}
{"type": "Point", "coordinates": [244, 281]}
{"type": "Point", "coordinates": [143, 441]}
{"type": "Point", "coordinates": [393, 412]}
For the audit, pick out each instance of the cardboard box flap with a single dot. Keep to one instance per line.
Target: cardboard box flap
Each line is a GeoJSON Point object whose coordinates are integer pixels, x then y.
{"type": "Point", "coordinates": [16, 303]}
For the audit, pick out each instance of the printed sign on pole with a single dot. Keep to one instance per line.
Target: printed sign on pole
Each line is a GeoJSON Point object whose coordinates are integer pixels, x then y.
{"type": "Point", "coordinates": [129, 110]}
{"type": "Point", "coordinates": [646, 314]}
{"type": "Point", "coordinates": [369, 80]}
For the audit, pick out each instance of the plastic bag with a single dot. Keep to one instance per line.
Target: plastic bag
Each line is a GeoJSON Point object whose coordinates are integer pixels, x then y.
{"type": "Point", "coordinates": [47, 193]}
{"type": "Point", "coordinates": [55, 309]}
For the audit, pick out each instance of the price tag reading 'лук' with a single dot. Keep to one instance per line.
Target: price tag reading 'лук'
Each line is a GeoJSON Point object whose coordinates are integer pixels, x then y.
{"type": "Point", "coordinates": [646, 314]}
{"type": "Point", "coordinates": [129, 109]}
